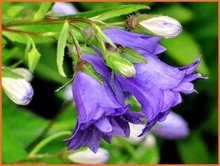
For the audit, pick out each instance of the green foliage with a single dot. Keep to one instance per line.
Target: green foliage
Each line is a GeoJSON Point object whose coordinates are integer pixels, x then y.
{"type": "Point", "coordinates": [108, 12]}
{"type": "Point", "coordinates": [12, 149]}
{"type": "Point", "coordinates": [23, 125]}
{"type": "Point", "coordinates": [194, 150]}
{"type": "Point", "coordinates": [44, 8]}
{"type": "Point", "coordinates": [122, 10]}
{"type": "Point", "coordinates": [61, 48]}
{"type": "Point", "coordinates": [187, 55]}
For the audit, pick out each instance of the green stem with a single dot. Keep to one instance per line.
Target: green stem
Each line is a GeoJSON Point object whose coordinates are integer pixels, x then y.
{"type": "Point", "coordinates": [45, 141]}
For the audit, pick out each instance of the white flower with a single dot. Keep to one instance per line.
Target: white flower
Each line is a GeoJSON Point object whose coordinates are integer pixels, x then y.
{"type": "Point", "coordinates": [88, 157]}
{"type": "Point", "coordinates": [163, 26]}
{"type": "Point", "coordinates": [64, 8]}
{"type": "Point", "coordinates": [24, 73]}
{"type": "Point", "coordinates": [18, 90]}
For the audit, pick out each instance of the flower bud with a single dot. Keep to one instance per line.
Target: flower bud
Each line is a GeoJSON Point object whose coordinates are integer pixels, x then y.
{"type": "Point", "coordinates": [135, 130]}
{"type": "Point", "coordinates": [18, 90]}
{"type": "Point", "coordinates": [163, 26]}
{"type": "Point", "coordinates": [120, 65]}
{"type": "Point", "coordinates": [64, 8]}
{"type": "Point", "coordinates": [88, 157]}
{"type": "Point", "coordinates": [24, 73]}
{"type": "Point", "coordinates": [174, 127]}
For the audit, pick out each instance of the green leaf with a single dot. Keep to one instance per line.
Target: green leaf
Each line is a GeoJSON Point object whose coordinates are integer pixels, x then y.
{"type": "Point", "coordinates": [15, 10]}
{"type": "Point", "coordinates": [193, 150]}
{"type": "Point", "coordinates": [5, 7]}
{"type": "Point", "coordinates": [12, 149]}
{"type": "Point", "coordinates": [185, 50]}
{"type": "Point", "coordinates": [121, 10]}
{"type": "Point", "coordinates": [44, 8]}
{"type": "Point", "coordinates": [100, 36]}
{"type": "Point", "coordinates": [23, 125]}
{"type": "Point", "coordinates": [21, 38]}
{"type": "Point", "coordinates": [61, 48]}
{"type": "Point", "coordinates": [111, 12]}
{"type": "Point", "coordinates": [4, 42]}
{"type": "Point", "coordinates": [132, 56]}
{"type": "Point", "coordinates": [177, 11]}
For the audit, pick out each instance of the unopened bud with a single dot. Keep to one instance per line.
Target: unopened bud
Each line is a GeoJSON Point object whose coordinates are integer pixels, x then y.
{"type": "Point", "coordinates": [18, 90]}
{"type": "Point", "coordinates": [134, 132]}
{"type": "Point", "coordinates": [120, 65]}
{"type": "Point", "coordinates": [33, 57]}
{"type": "Point", "coordinates": [163, 26]}
{"type": "Point", "coordinates": [64, 8]}
{"type": "Point", "coordinates": [24, 73]}
{"type": "Point", "coordinates": [88, 157]}
{"type": "Point", "coordinates": [174, 127]}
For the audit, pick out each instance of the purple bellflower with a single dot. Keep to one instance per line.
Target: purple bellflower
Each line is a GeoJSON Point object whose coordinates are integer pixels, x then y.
{"type": "Point", "coordinates": [156, 85]}
{"type": "Point", "coordinates": [100, 114]}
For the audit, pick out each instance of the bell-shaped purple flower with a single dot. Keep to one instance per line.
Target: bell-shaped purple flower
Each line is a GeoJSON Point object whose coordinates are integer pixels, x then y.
{"type": "Point", "coordinates": [100, 115]}
{"type": "Point", "coordinates": [156, 85]}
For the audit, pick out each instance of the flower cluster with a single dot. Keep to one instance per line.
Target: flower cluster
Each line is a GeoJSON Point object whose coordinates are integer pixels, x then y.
{"type": "Point", "coordinates": [157, 86]}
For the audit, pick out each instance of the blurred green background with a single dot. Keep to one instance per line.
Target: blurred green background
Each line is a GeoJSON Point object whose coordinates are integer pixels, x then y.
{"type": "Point", "coordinates": [22, 125]}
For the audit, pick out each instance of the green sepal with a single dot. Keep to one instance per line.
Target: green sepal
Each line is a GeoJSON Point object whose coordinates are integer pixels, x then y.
{"type": "Point", "coordinates": [44, 8]}
{"type": "Point", "coordinates": [8, 73]}
{"type": "Point", "coordinates": [89, 69]}
{"type": "Point", "coordinates": [134, 25]}
{"type": "Point", "coordinates": [132, 56]}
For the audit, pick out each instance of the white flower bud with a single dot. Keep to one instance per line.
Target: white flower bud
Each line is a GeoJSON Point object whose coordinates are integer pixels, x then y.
{"type": "Point", "coordinates": [162, 26]}
{"type": "Point", "coordinates": [24, 73]}
{"type": "Point", "coordinates": [18, 90]}
{"type": "Point", "coordinates": [64, 8]}
{"type": "Point", "coordinates": [135, 130]}
{"type": "Point", "coordinates": [88, 157]}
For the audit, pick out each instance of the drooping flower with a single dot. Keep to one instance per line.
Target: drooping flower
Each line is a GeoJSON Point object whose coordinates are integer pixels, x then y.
{"type": "Point", "coordinates": [87, 157]}
{"type": "Point", "coordinates": [156, 85]}
{"type": "Point", "coordinates": [18, 90]}
{"type": "Point", "coordinates": [100, 115]}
